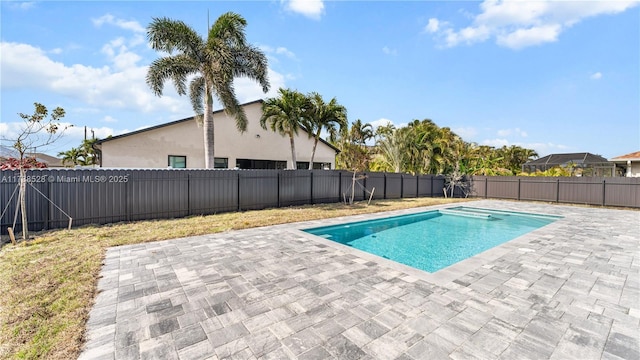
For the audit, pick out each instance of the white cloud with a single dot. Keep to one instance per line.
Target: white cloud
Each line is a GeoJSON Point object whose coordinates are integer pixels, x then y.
{"type": "Point", "coordinates": [522, 38]}
{"type": "Point", "coordinates": [77, 132]}
{"type": "Point", "coordinates": [22, 5]}
{"type": "Point", "coordinates": [380, 122]}
{"type": "Point", "coordinates": [519, 24]}
{"type": "Point", "coordinates": [280, 50]}
{"type": "Point", "coordinates": [596, 76]}
{"type": "Point", "coordinates": [541, 148]}
{"type": "Point", "coordinates": [120, 86]}
{"type": "Point", "coordinates": [249, 90]}
{"type": "Point", "coordinates": [310, 8]}
{"type": "Point", "coordinates": [109, 119]}
{"type": "Point", "coordinates": [516, 132]}
{"type": "Point", "coordinates": [284, 51]}
{"type": "Point", "coordinates": [56, 51]}
{"type": "Point", "coordinates": [433, 25]}
{"type": "Point", "coordinates": [497, 143]}
{"type": "Point", "coordinates": [389, 51]}
{"type": "Point", "coordinates": [466, 132]}
{"type": "Point", "coordinates": [123, 24]}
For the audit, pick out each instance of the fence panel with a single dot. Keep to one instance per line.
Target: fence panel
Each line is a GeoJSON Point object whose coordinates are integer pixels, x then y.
{"type": "Point", "coordinates": [295, 187]}
{"type": "Point", "coordinates": [158, 194]}
{"type": "Point", "coordinates": [409, 186]}
{"type": "Point", "coordinates": [377, 181]}
{"type": "Point", "coordinates": [581, 190]}
{"type": "Point", "coordinates": [211, 192]}
{"type": "Point", "coordinates": [326, 186]}
{"type": "Point", "coordinates": [394, 186]}
{"type": "Point", "coordinates": [347, 184]}
{"type": "Point", "coordinates": [539, 188]}
{"type": "Point", "coordinates": [502, 187]}
{"type": "Point", "coordinates": [622, 192]}
{"type": "Point", "coordinates": [258, 189]}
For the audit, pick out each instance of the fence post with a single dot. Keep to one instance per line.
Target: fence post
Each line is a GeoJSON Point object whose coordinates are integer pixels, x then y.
{"type": "Point", "coordinates": [518, 189]}
{"type": "Point", "coordinates": [48, 215]}
{"type": "Point", "coordinates": [385, 186]}
{"type": "Point", "coordinates": [557, 190]}
{"type": "Point", "coordinates": [127, 198]}
{"type": "Point", "coordinates": [189, 193]}
{"type": "Point", "coordinates": [486, 187]}
{"type": "Point", "coordinates": [431, 175]}
{"type": "Point", "coordinates": [311, 181]}
{"type": "Point", "coordinates": [239, 207]}
{"type": "Point", "coordinates": [417, 185]}
{"type": "Point", "coordinates": [278, 188]}
{"type": "Point", "coordinates": [402, 186]}
{"type": "Point", "coordinates": [604, 187]}
{"type": "Point", "coordinates": [339, 185]}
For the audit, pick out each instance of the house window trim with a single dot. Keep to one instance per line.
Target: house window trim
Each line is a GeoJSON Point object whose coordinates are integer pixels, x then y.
{"type": "Point", "coordinates": [176, 156]}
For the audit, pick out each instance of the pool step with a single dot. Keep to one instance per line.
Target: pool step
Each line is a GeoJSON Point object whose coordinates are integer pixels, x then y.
{"type": "Point", "coordinates": [474, 215]}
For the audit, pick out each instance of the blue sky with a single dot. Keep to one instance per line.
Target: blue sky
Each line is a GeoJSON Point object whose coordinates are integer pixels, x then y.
{"type": "Point", "coordinates": [561, 76]}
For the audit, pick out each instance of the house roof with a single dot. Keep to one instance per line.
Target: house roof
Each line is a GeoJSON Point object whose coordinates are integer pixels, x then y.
{"type": "Point", "coordinates": [630, 156]}
{"type": "Point", "coordinates": [51, 161]}
{"type": "Point", "coordinates": [171, 123]}
{"type": "Point", "coordinates": [584, 158]}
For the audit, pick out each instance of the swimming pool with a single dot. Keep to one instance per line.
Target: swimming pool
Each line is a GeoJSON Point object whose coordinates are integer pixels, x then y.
{"type": "Point", "coordinates": [435, 239]}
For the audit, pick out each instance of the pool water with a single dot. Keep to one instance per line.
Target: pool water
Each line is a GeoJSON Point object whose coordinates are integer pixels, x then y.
{"type": "Point", "coordinates": [433, 240]}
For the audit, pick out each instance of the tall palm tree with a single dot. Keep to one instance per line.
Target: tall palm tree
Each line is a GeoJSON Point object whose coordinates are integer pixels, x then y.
{"type": "Point", "coordinates": [212, 63]}
{"type": "Point", "coordinates": [321, 116]}
{"type": "Point", "coordinates": [285, 114]}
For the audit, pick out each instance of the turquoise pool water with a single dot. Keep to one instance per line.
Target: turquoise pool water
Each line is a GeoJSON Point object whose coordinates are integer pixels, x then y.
{"type": "Point", "coordinates": [433, 240]}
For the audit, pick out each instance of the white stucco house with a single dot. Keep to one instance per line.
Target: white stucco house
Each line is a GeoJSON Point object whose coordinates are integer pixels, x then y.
{"type": "Point", "coordinates": [180, 144]}
{"type": "Point", "coordinates": [630, 163]}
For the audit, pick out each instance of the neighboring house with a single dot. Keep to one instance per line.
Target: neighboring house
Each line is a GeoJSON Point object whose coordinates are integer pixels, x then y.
{"type": "Point", "coordinates": [584, 164]}
{"type": "Point", "coordinates": [629, 163]}
{"type": "Point", "coordinates": [51, 161]}
{"type": "Point", "coordinates": [180, 144]}
{"type": "Point", "coordinates": [9, 152]}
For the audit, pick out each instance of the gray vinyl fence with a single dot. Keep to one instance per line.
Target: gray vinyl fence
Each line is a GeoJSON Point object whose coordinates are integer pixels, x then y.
{"type": "Point", "coordinates": [603, 191]}
{"type": "Point", "coordinates": [100, 196]}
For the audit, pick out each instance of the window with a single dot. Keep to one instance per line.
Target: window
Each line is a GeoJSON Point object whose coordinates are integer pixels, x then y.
{"type": "Point", "coordinates": [304, 165]}
{"type": "Point", "coordinates": [260, 164]}
{"type": "Point", "coordinates": [177, 162]}
{"type": "Point", "coordinates": [221, 163]}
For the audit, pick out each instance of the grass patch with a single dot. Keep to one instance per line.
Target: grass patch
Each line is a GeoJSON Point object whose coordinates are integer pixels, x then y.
{"type": "Point", "coordinates": [48, 285]}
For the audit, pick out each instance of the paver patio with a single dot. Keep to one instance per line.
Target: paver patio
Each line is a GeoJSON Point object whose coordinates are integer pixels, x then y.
{"type": "Point", "coordinates": [570, 290]}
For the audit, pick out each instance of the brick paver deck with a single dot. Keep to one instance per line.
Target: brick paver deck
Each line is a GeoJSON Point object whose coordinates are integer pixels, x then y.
{"type": "Point", "coordinates": [570, 290]}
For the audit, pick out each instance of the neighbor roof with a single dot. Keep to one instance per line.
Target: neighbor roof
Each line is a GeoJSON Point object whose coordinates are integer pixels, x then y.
{"type": "Point", "coordinates": [630, 156]}
{"type": "Point", "coordinates": [562, 159]}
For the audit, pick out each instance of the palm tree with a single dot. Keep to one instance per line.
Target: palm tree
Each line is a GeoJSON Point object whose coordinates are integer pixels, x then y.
{"type": "Point", "coordinates": [392, 151]}
{"type": "Point", "coordinates": [212, 63]}
{"type": "Point", "coordinates": [285, 114]}
{"type": "Point", "coordinates": [360, 132]}
{"type": "Point", "coordinates": [321, 116]}
{"type": "Point", "coordinates": [72, 157]}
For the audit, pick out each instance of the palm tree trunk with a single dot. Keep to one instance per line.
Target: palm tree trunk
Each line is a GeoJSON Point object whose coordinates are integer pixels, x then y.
{"type": "Point", "coordinates": [293, 151]}
{"type": "Point", "coordinates": [313, 152]}
{"type": "Point", "coordinates": [208, 130]}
